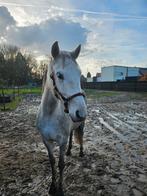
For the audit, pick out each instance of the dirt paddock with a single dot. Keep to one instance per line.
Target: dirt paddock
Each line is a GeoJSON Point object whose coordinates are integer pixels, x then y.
{"type": "Point", "coordinates": [115, 145]}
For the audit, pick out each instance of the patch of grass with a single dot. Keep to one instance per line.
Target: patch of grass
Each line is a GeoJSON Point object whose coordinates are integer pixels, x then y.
{"type": "Point", "coordinates": [137, 95]}
{"type": "Point", "coordinates": [143, 94]}
{"type": "Point", "coordinates": [22, 91]}
{"type": "Point", "coordinates": [36, 90]}
{"type": "Point", "coordinates": [96, 94]}
{"type": "Point", "coordinates": [12, 105]}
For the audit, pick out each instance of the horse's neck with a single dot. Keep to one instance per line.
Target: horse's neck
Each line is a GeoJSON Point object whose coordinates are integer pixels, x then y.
{"type": "Point", "coordinates": [49, 101]}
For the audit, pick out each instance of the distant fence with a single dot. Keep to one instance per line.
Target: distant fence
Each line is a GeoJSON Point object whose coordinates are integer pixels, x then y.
{"type": "Point", "coordinates": [137, 86]}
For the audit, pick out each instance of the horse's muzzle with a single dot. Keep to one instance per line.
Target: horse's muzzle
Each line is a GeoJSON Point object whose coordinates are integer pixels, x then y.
{"type": "Point", "coordinates": [79, 117]}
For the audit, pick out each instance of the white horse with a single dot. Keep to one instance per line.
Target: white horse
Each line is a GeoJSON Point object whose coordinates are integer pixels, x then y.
{"type": "Point", "coordinates": [62, 109]}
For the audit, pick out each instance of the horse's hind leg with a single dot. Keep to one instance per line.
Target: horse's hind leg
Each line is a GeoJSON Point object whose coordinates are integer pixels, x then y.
{"type": "Point", "coordinates": [68, 153]}
{"type": "Point", "coordinates": [53, 187]}
{"type": "Point", "coordinates": [61, 166]}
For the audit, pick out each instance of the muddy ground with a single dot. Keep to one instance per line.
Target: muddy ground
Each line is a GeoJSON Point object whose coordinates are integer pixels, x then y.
{"type": "Point", "coordinates": [115, 142]}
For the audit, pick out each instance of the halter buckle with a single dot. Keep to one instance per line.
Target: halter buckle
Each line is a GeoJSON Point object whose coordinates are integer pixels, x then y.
{"type": "Point", "coordinates": [66, 106]}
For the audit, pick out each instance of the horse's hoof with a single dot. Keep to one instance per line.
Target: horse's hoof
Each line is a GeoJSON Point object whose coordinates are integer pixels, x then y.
{"type": "Point", "coordinates": [81, 154]}
{"type": "Point", "coordinates": [60, 193]}
{"type": "Point", "coordinates": [52, 190]}
{"type": "Point", "coordinates": [68, 153]}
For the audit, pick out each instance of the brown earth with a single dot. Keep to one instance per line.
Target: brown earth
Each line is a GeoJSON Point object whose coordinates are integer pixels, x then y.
{"type": "Point", "coordinates": [115, 142]}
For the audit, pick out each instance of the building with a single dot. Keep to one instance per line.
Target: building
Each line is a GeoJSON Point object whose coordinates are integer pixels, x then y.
{"type": "Point", "coordinates": [89, 78]}
{"type": "Point", "coordinates": [97, 78]}
{"type": "Point", "coordinates": [117, 73]}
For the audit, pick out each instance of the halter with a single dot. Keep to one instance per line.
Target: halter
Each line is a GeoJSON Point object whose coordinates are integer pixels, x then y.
{"type": "Point", "coordinates": [59, 95]}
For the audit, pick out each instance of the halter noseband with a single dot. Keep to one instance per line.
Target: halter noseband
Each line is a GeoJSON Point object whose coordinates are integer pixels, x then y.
{"type": "Point", "coordinates": [58, 94]}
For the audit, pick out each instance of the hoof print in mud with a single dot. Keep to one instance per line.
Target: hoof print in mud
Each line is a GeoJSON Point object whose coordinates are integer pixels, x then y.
{"type": "Point", "coordinates": [81, 154]}
{"type": "Point", "coordinates": [52, 190]}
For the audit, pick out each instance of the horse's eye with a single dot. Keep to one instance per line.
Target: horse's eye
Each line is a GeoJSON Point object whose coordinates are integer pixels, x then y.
{"type": "Point", "coordinates": [60, 76]}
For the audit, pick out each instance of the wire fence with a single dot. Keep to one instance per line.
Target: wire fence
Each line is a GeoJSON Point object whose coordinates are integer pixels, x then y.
{"type": "Point", "coordinates": [11, 94]}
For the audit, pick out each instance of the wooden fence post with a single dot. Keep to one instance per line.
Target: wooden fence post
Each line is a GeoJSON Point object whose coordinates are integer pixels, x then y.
{"type": "Point", "coordinates": [3, 94]}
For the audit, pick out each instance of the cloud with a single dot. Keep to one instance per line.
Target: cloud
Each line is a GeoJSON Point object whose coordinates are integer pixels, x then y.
{"type": "Point", "coordinates": [6, 20]}
{"type": "Point", "coordinates": [39, 37]}
{"type": "Point", "coordinates": [108, 36]}
{"type": "Point", "coordinates": [31, 12]}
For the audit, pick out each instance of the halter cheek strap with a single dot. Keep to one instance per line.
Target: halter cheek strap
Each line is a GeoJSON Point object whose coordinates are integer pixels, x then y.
{"type": "Point", "coordinates": [59, 95]}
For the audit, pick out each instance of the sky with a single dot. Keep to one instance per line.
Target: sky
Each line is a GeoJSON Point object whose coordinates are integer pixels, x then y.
{"type": "Point", "coordinates": [111, 32]}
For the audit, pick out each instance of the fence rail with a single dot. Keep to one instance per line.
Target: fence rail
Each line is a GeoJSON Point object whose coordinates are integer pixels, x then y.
{"type": "Point", "coordinates": [137, 86]}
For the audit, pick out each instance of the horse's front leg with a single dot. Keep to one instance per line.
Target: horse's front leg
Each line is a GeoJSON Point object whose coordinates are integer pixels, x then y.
{"type": "Point", "coordinates": [53, 187]}
{"type": "Point", "coordinates": [61, 166]}
{"type": "Point", "coordinates": [68, 153]}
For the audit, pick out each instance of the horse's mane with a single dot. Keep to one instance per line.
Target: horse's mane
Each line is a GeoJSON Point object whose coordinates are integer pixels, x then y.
{"type": "Point", "coordinates": [44, 78]}
{"type": "Point", "coordinates": [47, 72]}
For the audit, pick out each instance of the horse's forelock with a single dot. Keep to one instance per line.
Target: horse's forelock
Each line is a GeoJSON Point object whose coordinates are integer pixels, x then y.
{"type": "Point", "coordinates": [65, 55]}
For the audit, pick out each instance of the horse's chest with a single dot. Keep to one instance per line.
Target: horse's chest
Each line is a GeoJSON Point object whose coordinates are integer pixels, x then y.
{"type": "Point", "coordinates": [56, 129]}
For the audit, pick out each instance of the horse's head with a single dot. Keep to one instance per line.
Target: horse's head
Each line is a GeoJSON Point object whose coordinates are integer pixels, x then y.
{"type": "Point", "coordinates": [66, 74]}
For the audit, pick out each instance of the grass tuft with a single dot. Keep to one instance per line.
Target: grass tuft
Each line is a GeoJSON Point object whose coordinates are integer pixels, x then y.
{"type": "Point", "coordinates": [96, 94]}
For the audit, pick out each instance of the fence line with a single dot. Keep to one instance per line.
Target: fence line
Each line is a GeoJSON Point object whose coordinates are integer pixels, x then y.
{"type": "Point", "coordinates": [137, 86]}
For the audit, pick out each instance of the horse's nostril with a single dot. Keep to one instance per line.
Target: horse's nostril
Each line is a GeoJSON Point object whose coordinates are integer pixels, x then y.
{"type": "Point", "coordinates": [79, 116]}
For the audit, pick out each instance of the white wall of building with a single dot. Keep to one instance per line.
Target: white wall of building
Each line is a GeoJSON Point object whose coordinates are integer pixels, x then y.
{"type": "Point", "coordinates": [115, 73]}
{"type": "Point", "coordinates": [119, 73]}
{"type": "Point", "coordinates": [98, 79]}
{"type": "Point", "coordinates": [133, 71]}
{"type": "Point", "coordinates": [107, 74]}
{"type": "Point", "coordinates": [89, 79]}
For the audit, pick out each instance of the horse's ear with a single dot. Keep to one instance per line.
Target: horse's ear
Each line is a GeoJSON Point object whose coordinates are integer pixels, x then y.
{"type": "Point", "coordinates": [55, 50]}
{"type": "Point", "coordinates": [76, 52]}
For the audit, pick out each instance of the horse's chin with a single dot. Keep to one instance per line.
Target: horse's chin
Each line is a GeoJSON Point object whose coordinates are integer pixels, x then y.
{"type": "Point", "coordinates": [75, 123]}
{"type": "Point", "coordinates": [74, 120]}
